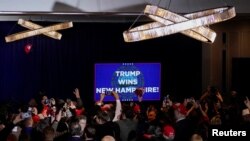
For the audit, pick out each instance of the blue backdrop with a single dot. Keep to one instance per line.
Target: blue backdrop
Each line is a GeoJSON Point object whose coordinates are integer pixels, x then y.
{"type": "Point", "coordinates": [124, 78]}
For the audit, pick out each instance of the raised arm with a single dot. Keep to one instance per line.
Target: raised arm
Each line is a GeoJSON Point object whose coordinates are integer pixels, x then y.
{"type": "Point", "coordinates": [118, 107]}
{"type": "Point", "coordinates": [204, 95]}
{"type": "Point", "coordinates": [219, 97]}
{"type": "Point", "coordinates": [79, 102]}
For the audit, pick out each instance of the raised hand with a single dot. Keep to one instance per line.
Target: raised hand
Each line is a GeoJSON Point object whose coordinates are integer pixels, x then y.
{"type": "Point", "coordinates": [115, 94]}
{"type": "Point", "coordinates": [76, 93]}
{"type": "Point", "coordinates": [17, 118]}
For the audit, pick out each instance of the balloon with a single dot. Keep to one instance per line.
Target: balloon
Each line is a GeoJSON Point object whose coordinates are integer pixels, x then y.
{"type": "Point", "coordinates": [27, 48]}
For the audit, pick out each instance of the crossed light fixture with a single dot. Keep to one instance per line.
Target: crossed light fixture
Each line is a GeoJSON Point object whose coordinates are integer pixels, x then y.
{"type": "Point", "coordinates": [32, 26]}
{"type": "Point", "coordinates": [36, 29]}
{"type": "Point", "coordinates": [166, 23]}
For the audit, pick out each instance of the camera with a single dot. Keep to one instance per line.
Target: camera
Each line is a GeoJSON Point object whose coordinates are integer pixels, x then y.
{"type": "Point", "coordinates": [108, 92]}
{"type": "Point", "coordinates": [46, 101]}
{"type": "Point", "coordinates": [26, 115]}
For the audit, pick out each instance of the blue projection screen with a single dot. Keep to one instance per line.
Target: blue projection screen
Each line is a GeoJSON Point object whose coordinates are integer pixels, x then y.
{"type": "Point", "coordinates": [124, 78]}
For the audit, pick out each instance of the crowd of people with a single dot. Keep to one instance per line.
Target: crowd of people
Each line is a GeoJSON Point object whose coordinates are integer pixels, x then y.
{"type": "Point", "coordinates": [189, 119]}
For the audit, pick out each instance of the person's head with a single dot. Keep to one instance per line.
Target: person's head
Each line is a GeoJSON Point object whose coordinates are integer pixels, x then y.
{"type": "Point", "coordinates": [137, 109]}
{"type": "Point", "coordinates": [44, 100]}
{"type": "Point", "coordinates": [79, 111]}
{"type": "Point", "coordinates": [213, 90]}
{"type": "Point", "coordinates": [168, 133]}
{"type": "Point", "coordinates": [151, 115]}
{"type": "Point", "coordinates": [89, 131]}
{"type": "Point", "coordinates": [102, 117]}
{"type": "Point", "coordinates": [108, 138]}
{"type": "Point", "coordinates": [196, 137]}
{"type": "Point", "coordinates": [75, 128]}
{"type": "Point", "coordinates": [234, 93]}
{"type": "Point", "coordinates": [82, 121]}
{"type": "Point", "coordinates": [42, 124]}
{"type": "Point", "coordinates": [215, 120]}
{"type": "Point", "coordinates": [127, 112]}
{"type": "Point", "coordinates": [48, 133]}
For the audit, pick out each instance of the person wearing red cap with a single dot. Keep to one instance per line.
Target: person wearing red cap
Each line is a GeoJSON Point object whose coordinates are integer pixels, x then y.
{"type": "Point", "coordinates": [168, 133]}
{"type": "Point", "coordinates": [183, 126]}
